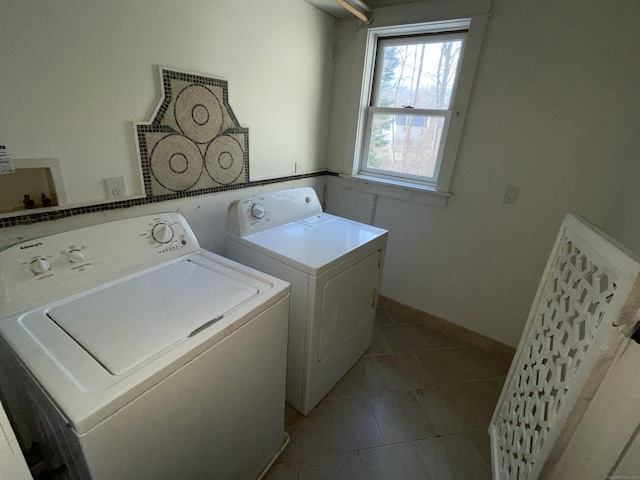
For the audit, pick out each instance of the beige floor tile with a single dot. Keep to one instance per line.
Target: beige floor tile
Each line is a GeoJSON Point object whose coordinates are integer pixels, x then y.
{"type": "Point", "coordinates": [482, 442]}
{"type": "Point", "coordinates": [363, 377]}
{"type": "Point", "coordinates": [341, 466]}
{"type": "Point", "coordinates": [480, 364]}
{"type": "Point", "coordinates": [306, 438]}
{"type": "Point", "coordinates": [402, 371]}
{"type": "Point", "coordinates": [442, 366]}
{"type": "Point", "coordinates": [448, 409]}
{"type": "Point", "coordinates": [403, 338]}
{"type": "Point", "coordinates": [290, 414]}
{"type": "Point", "coordinates": [383, 318]}
{"type": "Point", "coordinates": [401, 417]}
{"type": "Point", "coordinates": [389, 402]}
{"type": "Point", "coordinates": [401, 461]}
{"type": "Point", "coordinates": [436, 339]}
{"type": "Point", "coordinates": [453, 457]}
{"type": "Point", "coordinates": [379, 344]}
{"type": "Point", "coordinates": [349, 424]}
{"type": "Point", "coordinates": [484, 395]}
{"type": "Point", "coordinates": [282, 471]}
{"type": "Point", "coordinates": [505, 355]}
{"type": "Point", "coordinates": [333, 393]}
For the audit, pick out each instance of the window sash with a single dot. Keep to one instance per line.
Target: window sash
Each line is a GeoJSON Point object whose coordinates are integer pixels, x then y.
{"type": "Point", "coordinates": [420, 179]}
{"type": "Point", "coordinates": [429, 37]}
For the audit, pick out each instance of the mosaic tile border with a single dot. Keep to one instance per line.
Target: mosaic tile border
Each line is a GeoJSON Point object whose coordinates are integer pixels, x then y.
{"type": "Point", "coordinates": [29, 219]}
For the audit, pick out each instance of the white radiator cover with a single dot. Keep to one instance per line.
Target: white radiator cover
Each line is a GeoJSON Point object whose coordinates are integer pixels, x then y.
{"type": "Point", "coordinates": [584, 310]}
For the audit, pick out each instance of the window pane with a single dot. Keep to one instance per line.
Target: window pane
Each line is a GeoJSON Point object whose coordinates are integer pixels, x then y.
{"type": "Point", "coordinates": [419, 74]}
{"type": "Point", "coordinates": [405, 144]}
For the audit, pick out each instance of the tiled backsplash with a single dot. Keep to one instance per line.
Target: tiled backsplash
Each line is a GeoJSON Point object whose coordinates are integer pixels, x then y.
{"type": "Point", "coordinates": [70, 212]}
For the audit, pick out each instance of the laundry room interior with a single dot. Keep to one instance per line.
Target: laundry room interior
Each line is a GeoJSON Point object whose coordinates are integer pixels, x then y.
{"type": "Point", "coordinates": [553, 110]}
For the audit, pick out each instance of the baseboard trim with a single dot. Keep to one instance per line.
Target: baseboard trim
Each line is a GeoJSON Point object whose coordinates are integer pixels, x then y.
{"type": "Point", "coordinates": [397, 310]}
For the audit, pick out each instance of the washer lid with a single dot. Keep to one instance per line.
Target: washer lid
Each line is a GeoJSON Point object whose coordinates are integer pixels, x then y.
{"type": "Point", "coordinates": [123, 325]}
{"type": "Point", "coordinates": [314, 244]}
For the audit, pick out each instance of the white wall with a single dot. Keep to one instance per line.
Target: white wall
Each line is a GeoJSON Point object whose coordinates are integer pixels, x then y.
{"type": "Point", "coordinates": [623, 220]}
{"type": "Point", "coordinates": [554, 110]}
{"type": "Point", "coordinates": [75, 74]}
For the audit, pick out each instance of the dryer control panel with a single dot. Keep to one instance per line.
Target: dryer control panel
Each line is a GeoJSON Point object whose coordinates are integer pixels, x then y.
{"type": "Point", "coordinates": [261, 212]}
{"type": "Point", "coordinates": [39, 271]}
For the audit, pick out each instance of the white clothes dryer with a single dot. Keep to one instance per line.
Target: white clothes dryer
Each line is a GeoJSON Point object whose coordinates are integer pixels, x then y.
{"type": "Point", "coordinates": [130, 353]}
{"type": "Point", "coordinates": [334, 266]}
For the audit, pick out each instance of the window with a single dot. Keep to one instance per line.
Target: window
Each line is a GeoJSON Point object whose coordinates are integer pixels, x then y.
{"type": "Point", "coordinates": [410, 107]}
{"type": "Point", "coordinates": [416, 86]}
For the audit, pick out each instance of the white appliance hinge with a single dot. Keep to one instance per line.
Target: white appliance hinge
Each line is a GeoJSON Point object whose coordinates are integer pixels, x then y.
{"type": "Point", "coordinates": [375, 296]}
{"type": "Point", "coordinates": [379, 259]}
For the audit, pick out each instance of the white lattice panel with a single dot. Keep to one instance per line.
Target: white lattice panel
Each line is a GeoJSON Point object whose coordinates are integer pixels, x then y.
{"type": "Point", "coordinates": [585, 305]}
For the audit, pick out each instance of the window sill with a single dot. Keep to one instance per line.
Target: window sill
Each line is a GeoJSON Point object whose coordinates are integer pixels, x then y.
{"type": "Point", "coordinates": [395, 189]}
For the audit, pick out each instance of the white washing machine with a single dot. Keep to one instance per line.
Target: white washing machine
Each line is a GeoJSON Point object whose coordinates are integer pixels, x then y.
{"type": "Point", "coordinates": [130, 353]}
{"type": "Point", "coordinates": [334, 266]}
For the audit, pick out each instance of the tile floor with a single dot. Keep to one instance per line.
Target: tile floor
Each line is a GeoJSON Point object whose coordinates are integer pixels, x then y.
{"type": "Point", "coordinates": [416, 406]}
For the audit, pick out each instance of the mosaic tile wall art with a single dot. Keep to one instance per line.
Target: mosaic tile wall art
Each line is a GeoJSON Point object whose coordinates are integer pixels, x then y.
{"type": "Point", "coordinates": [194, 143]}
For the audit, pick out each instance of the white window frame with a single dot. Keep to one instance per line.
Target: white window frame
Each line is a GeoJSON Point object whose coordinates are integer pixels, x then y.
{"type": "Point", "coordinates": [439, 186]}
{"type": "Point", "coordinates": [372, 109]}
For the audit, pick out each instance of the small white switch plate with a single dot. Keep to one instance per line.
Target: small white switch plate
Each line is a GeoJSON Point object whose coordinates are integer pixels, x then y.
{"type": "Point", "coordinates": [115, 187]}
{"type": "Point", "coordinates": [511, 194]}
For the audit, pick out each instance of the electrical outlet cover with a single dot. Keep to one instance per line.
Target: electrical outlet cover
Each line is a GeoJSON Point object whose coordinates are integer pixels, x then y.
{"type": "Point", "coordinates": [115, 187]}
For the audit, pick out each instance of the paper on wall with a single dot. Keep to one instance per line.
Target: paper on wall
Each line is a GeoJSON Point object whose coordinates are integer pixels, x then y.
{"type": "Point", "coordinates": [6, 164]}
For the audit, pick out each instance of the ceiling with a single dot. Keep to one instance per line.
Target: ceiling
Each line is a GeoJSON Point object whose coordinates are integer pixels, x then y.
{"type": "Point", "coordinates": [335, 10]}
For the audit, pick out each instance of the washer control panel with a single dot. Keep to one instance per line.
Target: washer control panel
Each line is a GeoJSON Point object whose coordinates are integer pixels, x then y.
{"type": "Point", "coordinates": [270, 210]}
{"type": "Point", "coordinates": [162, 232]}
{"type": "Point", "coordinates": [39, 271]}
{"type": "Point", "coordinates": [257, 210]}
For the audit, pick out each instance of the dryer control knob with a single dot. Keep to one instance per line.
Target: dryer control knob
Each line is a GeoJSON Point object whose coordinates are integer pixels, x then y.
{"type": "Point", "coordinates": [162, 233]}
{"type": "Point", "coordinates": [257, 210]}
{"type": "Point", "coordinates": [39, 265]}
{"type": "Point", "coordinates": [76, 255]}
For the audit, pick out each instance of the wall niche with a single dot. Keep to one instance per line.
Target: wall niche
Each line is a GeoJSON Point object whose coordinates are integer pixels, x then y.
{"type": "Point", "coordinates": [35, 185]}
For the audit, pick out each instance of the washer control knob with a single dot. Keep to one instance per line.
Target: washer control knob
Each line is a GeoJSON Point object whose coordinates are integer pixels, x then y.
{"type": "Point", "coordinates": [76, 255]}
{"type": "Point", "coordinates": [39, 265]}
{"type": "Point", "coordinates": [162, 233]}
{"type": "Point", "coordinates": [257, 210]}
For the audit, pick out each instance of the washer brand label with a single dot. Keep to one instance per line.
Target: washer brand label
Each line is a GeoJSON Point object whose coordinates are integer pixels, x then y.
{"type": "Point", "coordinates": [31, 245]}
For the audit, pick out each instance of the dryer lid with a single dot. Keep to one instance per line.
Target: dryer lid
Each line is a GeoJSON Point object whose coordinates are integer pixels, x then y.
{"type": "Point", "coordinates": [314, 244]}
{"type": "Point", "coordinates": [125, 324]}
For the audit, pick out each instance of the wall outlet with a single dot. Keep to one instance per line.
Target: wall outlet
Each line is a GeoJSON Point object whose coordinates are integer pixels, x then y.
{"type": "Point", "coordinates": [115, 187]}
{"type": "Point", "coordinates": [511, 195]}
